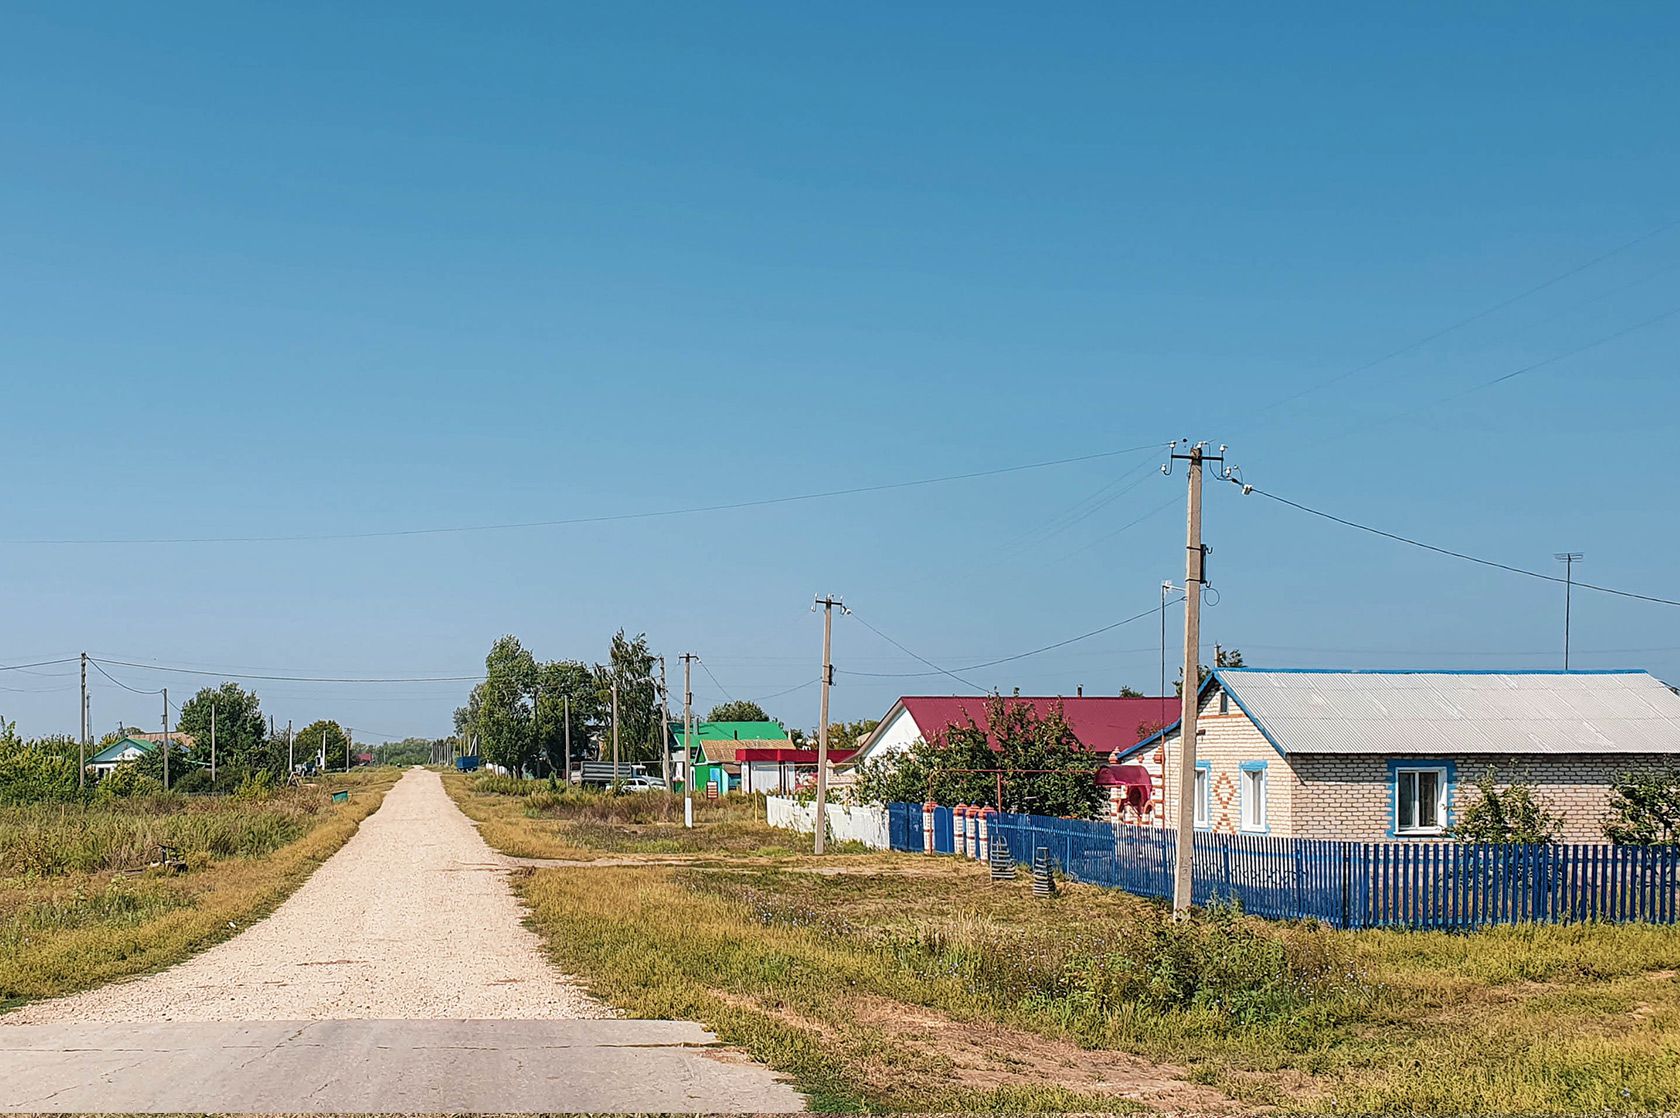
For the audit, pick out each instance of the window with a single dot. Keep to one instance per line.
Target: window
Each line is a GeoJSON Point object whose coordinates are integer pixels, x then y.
{"type": "Point", "coordinates": [1204, 799]}
{"type": "Point", "coordinates": [1253, 785]}
{"type": "Point", "coordinates": [1224, 703]}
{"type": "Point", "coordinates": [1420, 801]}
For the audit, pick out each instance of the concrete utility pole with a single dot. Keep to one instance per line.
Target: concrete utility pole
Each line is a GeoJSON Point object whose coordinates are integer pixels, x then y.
{"type": "Point", "coordinates": [291, 762]}
{"type": "Point", "coordinates": [1195, 577]}
{"type": "Point", "coordinates": [828, 605]}
{"type": "Point", "coordinates": [688, 739]}
{"type": "Point", "coordinates": [166, 739]}
{"type": "Point", "coordinates": [348, 733]}
{"type": "Point", "coordinates": [664, 728]}
{"type": "Point", "coordinates": [212, 747]}
{"type": "Point", "coordinates": [566, 706]}
{"type": "Point", "coordinates": [1568, 559]}
{"type": "Point", "coordinates": [81, 770]}
{"type": "Point", "coordinates": [615, 728]}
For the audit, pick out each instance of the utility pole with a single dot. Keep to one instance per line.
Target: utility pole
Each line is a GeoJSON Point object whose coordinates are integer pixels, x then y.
{"type": "Point", "coordinates": [348, 734]}
{"type": "Point", "coordinates": [566, 706]}
{"type": "Point", "coordinates": [828, 605]}
{"type": "Point", "coordinates": [212, 747]}
{"type": "Point", "coordinates": [664, 728]}
{"type": "Point", "coordinates": [688, 739]}
{"type": "Point", "coordinates": [291, 762]}
{"type": "Point", "coordinates": [81, 770]}
{"type": "Point", "coordinates": [1195, 577]}
{"type": "Point", "coordinates": [1568, 559]}
{"type": "Point", "coordinates": [615, 728]}
{"type": "Point", "coordinates": [166, 739]}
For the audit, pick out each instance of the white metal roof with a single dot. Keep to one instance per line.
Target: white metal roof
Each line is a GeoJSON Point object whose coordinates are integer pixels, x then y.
{"type": "Point", "coordinates": [1430, 713]}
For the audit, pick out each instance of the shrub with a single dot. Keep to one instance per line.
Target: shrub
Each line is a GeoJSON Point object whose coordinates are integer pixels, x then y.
{"type": "Point", "coordinates": [127, 780]}
{"type": "Point", "coordinates": [1511, 814]}
{"type": "Point", "coordinates": [41, 771]}
{"type": "Point", "coordinates": [1645, 809]}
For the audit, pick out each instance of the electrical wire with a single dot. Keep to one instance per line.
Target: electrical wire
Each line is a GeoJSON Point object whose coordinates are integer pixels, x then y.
{"type": "Point", "coordinates": [787, 691]}
{"type": "Point", "coordinates": [291, 678]}
{"type": "Point", "coordinates": [692, 510]}
{"type": "Point", "coordinates": [1577, 583]}
{"type": "Point", "coordinates": [714, 680]}
{"type": "Point", "coordinates": [1150, 612]}
{"type": "Point", "coordinates": [37, 664]}
{"type": "Point", "coordinates": [1463, 322]}
{"type": "Point", "coordinates": [913, 655]}
{"type": "Point", "coordinates": [101, 670]}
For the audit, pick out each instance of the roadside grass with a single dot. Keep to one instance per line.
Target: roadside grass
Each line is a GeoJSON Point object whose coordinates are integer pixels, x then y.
{"type": "Point", "coordinates": [543, 819]}
{"type": "Point", "coordinates": [79, 908]}
{"type": "Point", "coordinates": [898, 982]}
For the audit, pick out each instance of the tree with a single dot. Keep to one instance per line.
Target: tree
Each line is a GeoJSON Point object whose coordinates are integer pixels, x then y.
{"type": "Point", "coordinates": [1223, 658]}
{"type": "Point", "coordinates": [1645, 809]}
{"type": "Point", "coordinates": [503, 719]}
{"type": "Point", "coordinates": [738, 710]}
{"type": "Point", "coordinates": [43, 769]}
{"type": "Point", "coordinates": [1129, 692]}
{"type": "Point", "coordinates": [565, 686]}
{"type": "Point", "coordinates": [321, 736]}
{"type": "Point", "coordinates": [847, 735]}
{"type": "Point", "coordinates": [640, 721]}
{"type": "Point", "coordinates": [241, 730]}
{"type": "Point", "coordinates": [1510, 814]}
{"type": "Point", "coordinates": [1046, 770]}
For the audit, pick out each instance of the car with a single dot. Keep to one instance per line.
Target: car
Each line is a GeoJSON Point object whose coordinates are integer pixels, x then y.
{"type": "Point", "coordinates": [642, 784]}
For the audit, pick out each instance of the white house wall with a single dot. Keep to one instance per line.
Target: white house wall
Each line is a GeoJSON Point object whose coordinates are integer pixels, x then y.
{"type": "Point", "coordinates": [896, 735]}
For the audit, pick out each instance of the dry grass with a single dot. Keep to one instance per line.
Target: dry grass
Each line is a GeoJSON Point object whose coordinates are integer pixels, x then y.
{"type": "Point", "coordinates": [839, 971]}
{"type": "Point", "coordinates": [72, 930]}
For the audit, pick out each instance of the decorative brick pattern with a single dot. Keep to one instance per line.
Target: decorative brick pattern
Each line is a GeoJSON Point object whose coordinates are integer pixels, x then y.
{"type": "Point", "coordinates": [1348, 796]}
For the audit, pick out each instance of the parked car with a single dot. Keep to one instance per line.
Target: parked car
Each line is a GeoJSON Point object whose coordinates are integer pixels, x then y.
{"type": "Point", "coordinates": [643, 784]}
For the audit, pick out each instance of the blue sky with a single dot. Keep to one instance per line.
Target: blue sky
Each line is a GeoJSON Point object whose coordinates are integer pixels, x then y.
{"type": "Point", "coordinates": [297, 269]}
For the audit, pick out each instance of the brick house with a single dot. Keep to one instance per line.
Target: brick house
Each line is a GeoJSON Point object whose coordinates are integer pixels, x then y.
{"type": "Point", "coordinates": [1376, 755]}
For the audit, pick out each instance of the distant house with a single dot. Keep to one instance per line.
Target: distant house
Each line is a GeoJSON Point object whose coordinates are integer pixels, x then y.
{"type": "Point", "coordinates": [1376, 755]}
{"type": "Point", "coordinates": [1102, 724]}
{"type": "Point", "coordinates": [750, 757]}
{"type": "Point", "coordinates": [129, 749]}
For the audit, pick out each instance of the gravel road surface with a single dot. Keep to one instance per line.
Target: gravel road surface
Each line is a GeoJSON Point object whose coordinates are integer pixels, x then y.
{"type": "Point", "coordinates": [412, 918]}
{"type": "Point", "coordinates": [400, 977]}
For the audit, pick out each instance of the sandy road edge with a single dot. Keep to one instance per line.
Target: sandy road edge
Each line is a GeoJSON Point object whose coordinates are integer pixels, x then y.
{"type": "Point", "coordinates": [247, 898]}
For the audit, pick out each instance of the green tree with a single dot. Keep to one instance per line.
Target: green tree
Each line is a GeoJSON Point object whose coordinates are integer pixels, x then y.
{"type": "Point", "coordinates": [1046, 770]}
{"type": "Point", "coordinates": [566, 689]}
{"type": "Point", "coordinates": [630, 663]}
{"type": "Point", "coordinates": [738, 710]}
{"type": "Point", "coordinates": [39, 770]}
{"type": "Point", "coordinates": [1223, 658]}
{"type": "Point", "coordinates": [1509, 814]}
{"type": "Point", "coordinates": [241, 730]}
{"type": "Point", "coordinates": [503, 718]}
{"type": "Point", "coordinates": [1645, 808]}
{"type": "Point", "coordinates": [321, 737]}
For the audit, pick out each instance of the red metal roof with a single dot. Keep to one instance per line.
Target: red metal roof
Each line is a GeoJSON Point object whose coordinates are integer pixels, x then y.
{"type": "Point", "coordinates": [1101, 723]}
{"type": "Point", "coordinates": [761, 751]}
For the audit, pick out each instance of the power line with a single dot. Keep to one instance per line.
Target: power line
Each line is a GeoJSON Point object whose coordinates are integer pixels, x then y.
{"type": "Point", "coordinates": [1002, 659]}
{"type": "Point", "coordinates": [1543, 576]}
{"type": "Point", "coordinates": [292, 678]}
{"type": "Point", "coordinates": [787, 691]}
{"type": "Point", "coordinates": [1463, 322]}
{"type": "Point", "coordinates": [714, 680]}
{"type": "Point", "coordinates": [101, 670]}
{"type": "Point", "coordinates": [915, 656]}
{"type": "Point", "coordinates": [37, 664]}
{"type": "Point", "coordinates": [692, 510]}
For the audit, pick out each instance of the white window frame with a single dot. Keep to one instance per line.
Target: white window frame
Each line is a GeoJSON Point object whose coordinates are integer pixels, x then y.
{"type": "Point", "coordinates": [1252, 788]}
{"type": "Point", "coordinates": [1442, 786]}
{"type": "Point", "coordinates": [1203, 793]}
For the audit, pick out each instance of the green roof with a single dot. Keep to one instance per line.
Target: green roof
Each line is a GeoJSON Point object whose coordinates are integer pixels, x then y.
{"type": "Point", "coordinates": [733, 731]}
{"type": "Point", "coordinates": [117, 748]}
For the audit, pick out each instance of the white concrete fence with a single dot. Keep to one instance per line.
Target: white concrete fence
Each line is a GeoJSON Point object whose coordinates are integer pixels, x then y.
{"type": "Point", "coordinates": [867, 825]}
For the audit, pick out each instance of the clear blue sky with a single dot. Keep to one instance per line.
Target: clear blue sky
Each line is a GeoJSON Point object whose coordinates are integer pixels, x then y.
{"type": "Point", "coordinates": [289, 269]}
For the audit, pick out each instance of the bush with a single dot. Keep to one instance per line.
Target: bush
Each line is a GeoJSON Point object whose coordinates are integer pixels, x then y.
{"type": "Point", "coordinates": [1511, 814]}
{"type": "Point", "coordinates": [40, 771]}
{"type": "Point", "coordinates": [127, 780]}
{"type": "Point", "coordinates": [1645, 809]}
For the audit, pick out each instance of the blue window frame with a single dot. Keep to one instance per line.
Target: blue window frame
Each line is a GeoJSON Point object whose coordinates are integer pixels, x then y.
{"type": "Point", "coordinates": [1251, 795]}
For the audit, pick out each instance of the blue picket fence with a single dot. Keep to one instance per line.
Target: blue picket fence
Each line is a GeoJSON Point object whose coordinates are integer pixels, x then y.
{"type": "Point", "coordinates": [1349, 884]}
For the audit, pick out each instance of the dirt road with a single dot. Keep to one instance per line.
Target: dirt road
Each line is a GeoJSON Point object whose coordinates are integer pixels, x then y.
{"type": "Point", "coordinates": [410, 925]}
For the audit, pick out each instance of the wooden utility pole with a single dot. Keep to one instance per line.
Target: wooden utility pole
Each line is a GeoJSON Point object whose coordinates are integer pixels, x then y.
{"type": "Point", "coordinates": [664, 728]}
{"type": "Point", "coordinates": [81, 770]}
{"type": "Point", "coordinates": [291, 762]}
{"type": "Point", "coordinates": [688, 739]}
{"type": "Point", "coordinates": [566, 706]}
{"type": "Point", "coordinates": [1195, 577]}
{"type": "Point", "coordinates": [348, 732]}
{"type": "Point", "coordinates": [615, 728]}
{"type": "Point", "coordinates": [828, 605]}
{"type": "Point", "coordinates": [166, 739]}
